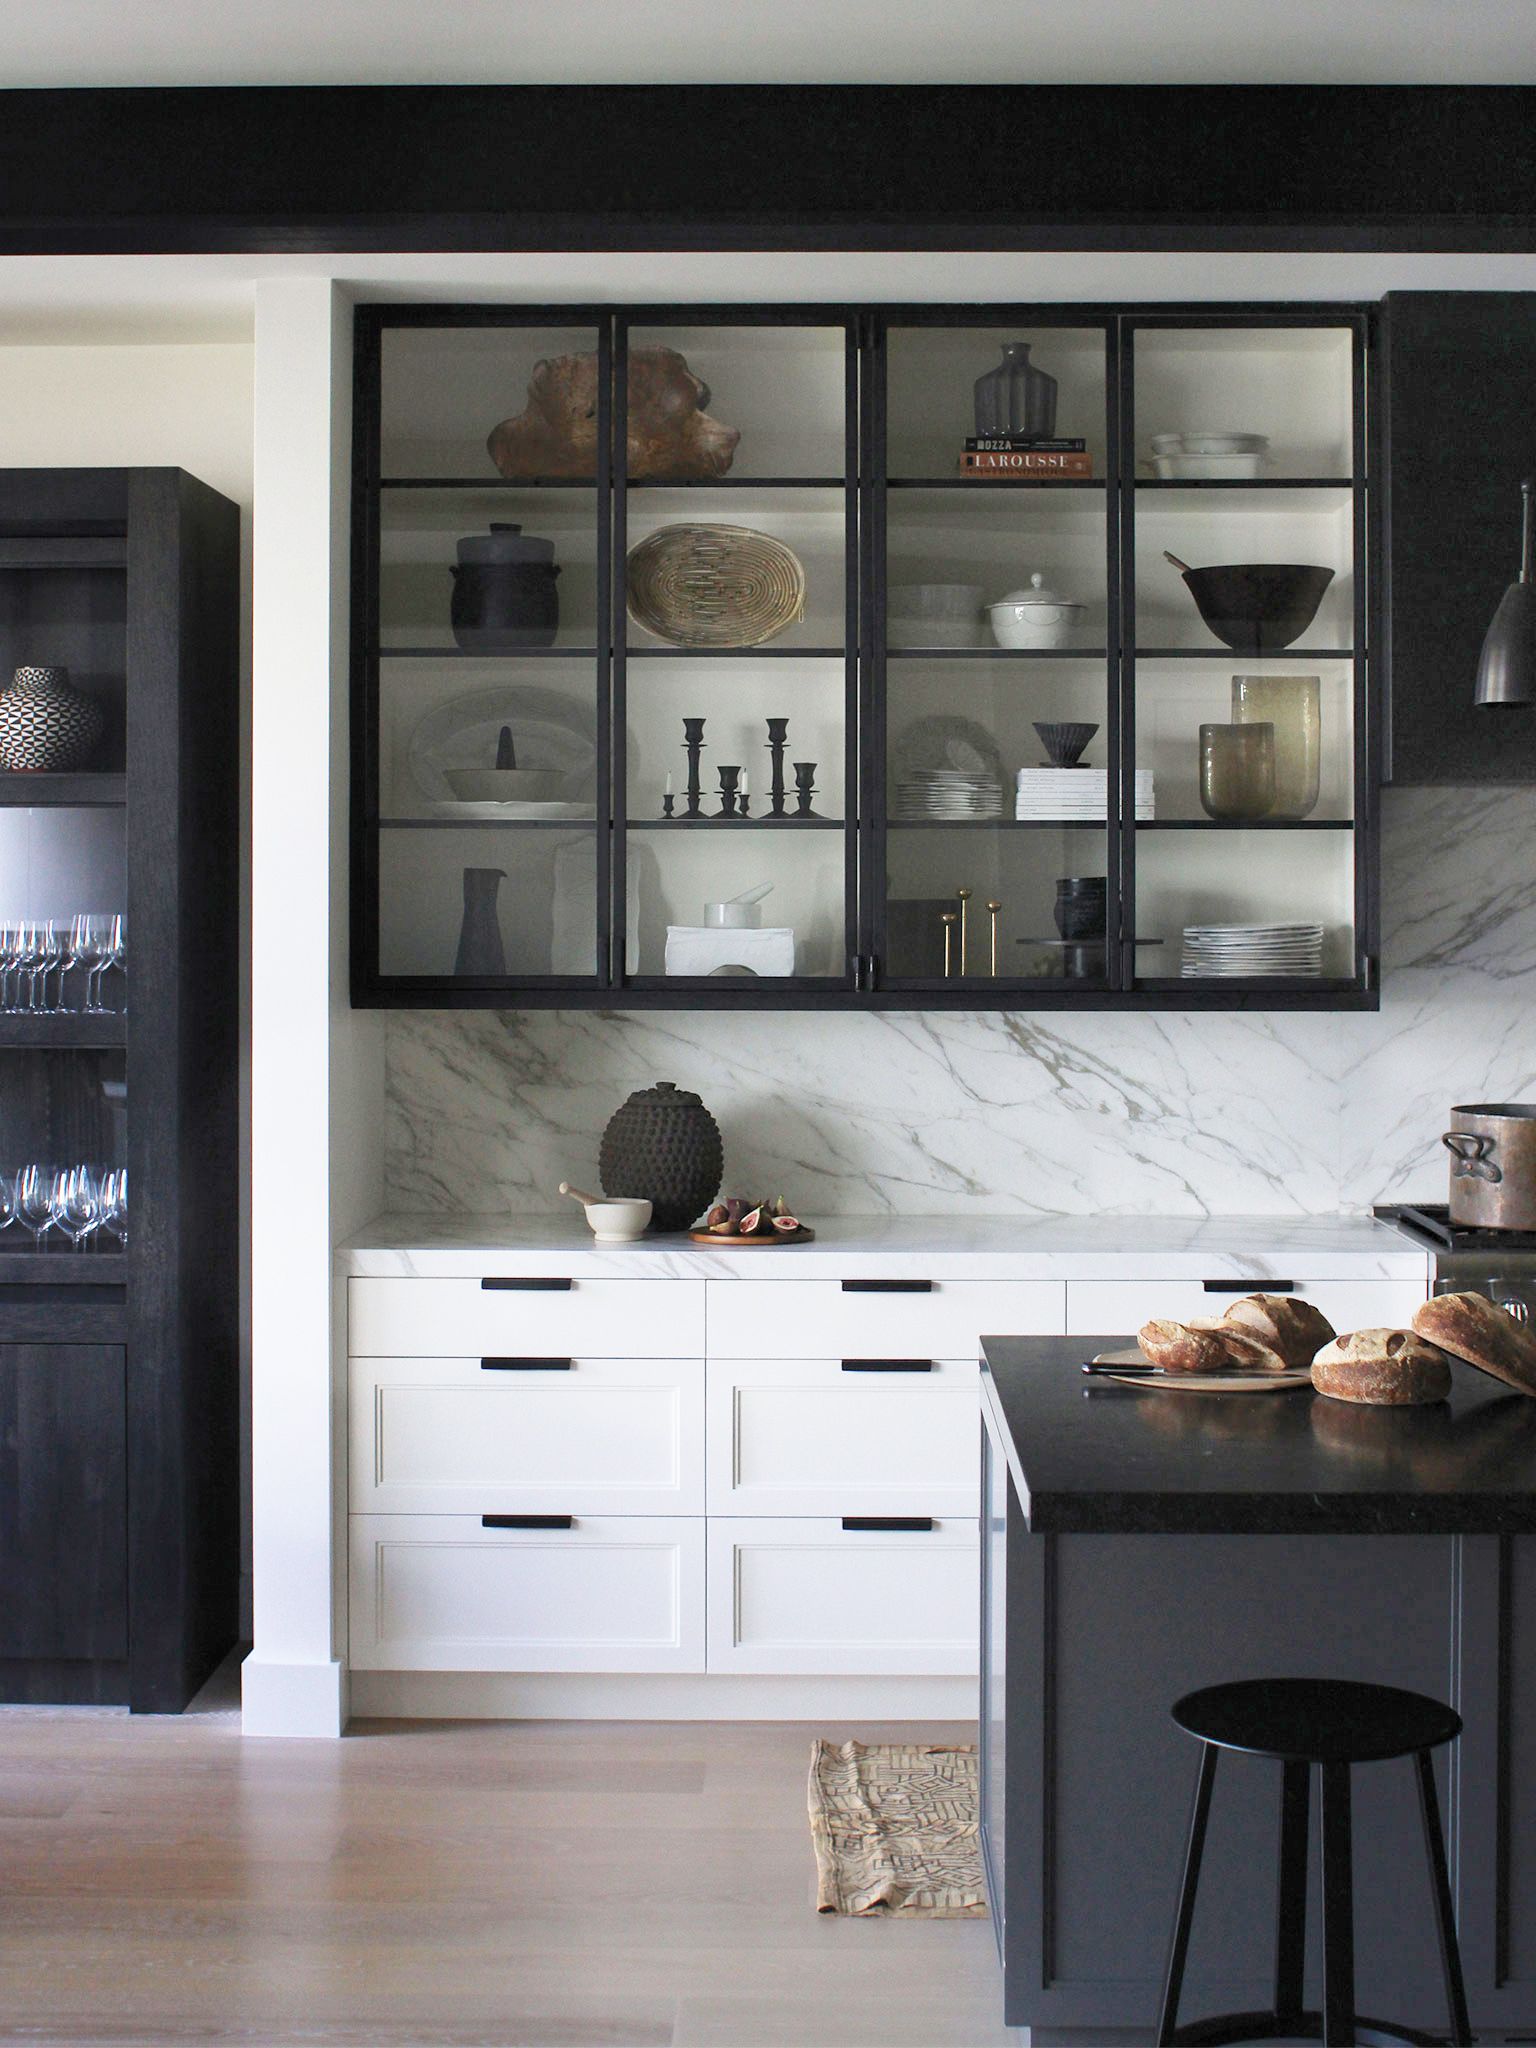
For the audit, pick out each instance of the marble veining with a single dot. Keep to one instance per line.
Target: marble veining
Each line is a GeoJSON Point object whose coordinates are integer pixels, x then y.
{"type": "Point", "coordinates": [1030, 1114]}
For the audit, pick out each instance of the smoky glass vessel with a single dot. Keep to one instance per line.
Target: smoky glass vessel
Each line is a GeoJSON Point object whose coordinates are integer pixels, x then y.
{"type": "Point", "coordinates": [1237, 770]}
{"type": "Point", "coordinates": [1292, 706]}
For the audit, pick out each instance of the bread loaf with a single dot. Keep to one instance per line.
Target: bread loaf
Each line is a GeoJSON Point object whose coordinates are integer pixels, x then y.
{"type": "Point", "coordinates": [1472, 1327]}
{"type": "Point", "coordinates": [1295, 1329]}
{"type": "Point", "coordinates": [1383, 1368]}
{"type": "Point", "coordinates": [1206, 1344]}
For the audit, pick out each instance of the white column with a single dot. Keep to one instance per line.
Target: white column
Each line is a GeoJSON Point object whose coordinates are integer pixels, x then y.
{"type": "Point", "coordinates": [308, 1181]}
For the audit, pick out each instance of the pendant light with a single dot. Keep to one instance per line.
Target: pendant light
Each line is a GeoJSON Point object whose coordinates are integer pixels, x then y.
{"type": "Point", "coordinates": [1506, 668]}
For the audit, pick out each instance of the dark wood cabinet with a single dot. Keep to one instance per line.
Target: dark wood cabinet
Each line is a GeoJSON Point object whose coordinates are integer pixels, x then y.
{"type": "Point", "coordinates": [119, 1472]}
{"type": "Point", "coordinates": [1458, 401]}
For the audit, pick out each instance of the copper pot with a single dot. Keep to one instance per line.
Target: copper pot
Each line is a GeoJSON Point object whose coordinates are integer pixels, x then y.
{"type": "Point", "coordinates": [1493, 1165]}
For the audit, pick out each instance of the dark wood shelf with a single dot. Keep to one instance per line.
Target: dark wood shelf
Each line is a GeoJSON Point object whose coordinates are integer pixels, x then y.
{"type": "Point", "coordinates": [1245, 483]}
{"type": "Point", "coordinates": [87, 790]}
{"type": "Point", "coordinates": [63, 1033]}
{"type": "Point", "coordinates": [994, 482]}
{"type": "Point", "coordinates": [742, 483]}
{"type": "Point", "coordinates": [488, 483]}
{"type": "Point", "coordinates": [63, 551]}
{"type": "Point", "coordinates": [59, 1264]}
{"type": "Point", "coordinates": [476, 654]}
{"type": "Point", "coordinates": [1004, 824]}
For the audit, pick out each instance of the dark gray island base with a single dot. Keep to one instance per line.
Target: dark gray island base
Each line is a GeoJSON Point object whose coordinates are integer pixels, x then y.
{"type": "Point", "coordinates": [1138, 1543]}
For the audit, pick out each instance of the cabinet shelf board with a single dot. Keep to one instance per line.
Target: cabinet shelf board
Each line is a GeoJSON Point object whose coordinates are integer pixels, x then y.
{"type": "Point", "coordinates": [995, 824]}
{"type": "Point", "coordinates": [63, 551]}
{"type": "Point", "coordinates": [60, 1265]}
{"type": "Point", "coordinates": [1245, 483]}
{"type": "Point", "coordinates": [997, 654]}
{"type": "Point", "coordinates": [733, 653]}
{"type": "Point", "coordinates": [478, 654]}
{"type": "Point", "coordinates": [740, 483]}
{"type": "Point", "coordinates": [84, 791]}
{"type": "Point", "coordinates": [63, 1034]}
{"type": "Point", "coordinates": [1245, 825]}
{"type": "Point", "coordinates": [1231, 654]}
{"type": "Point", "coordinates": [995, 483]}
{"type": "Point", "coordinates": [734, 824]}
{"type": "Point", "coordinates": [488, 483]}
{"type": "Point", "coordinates": [485, 824]}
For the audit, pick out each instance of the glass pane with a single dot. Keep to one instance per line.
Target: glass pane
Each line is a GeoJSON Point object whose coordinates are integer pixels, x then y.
{"type": "Point", "coordinates": [1237, 529]}
{"type": "Point", "coordinates": [672, 586]}
{"type": "Point", "coordinates": [772, 402]}
{"type": "Point", "coordinates": [931, 404]}
{"type": "Point", "coordinates": [1312, 711]}
{"type": "Point", "coordinates": [982, 903]}
{"type": "Point", "coordinates": [1199, 878]}
{"type": "Point", "coordinates": [1292, 385]}
{"type": "Point", "coordinates": [433, 594]}
{"type": "Point", "coordinates": [61, 1107]}
{"type": "Point", "coordinates": [515, 900]}
{"type": "Point", "coordinates": [952, 554]}
{"type": "Point", "coordinates": [446, 390]}
{"type": "Point", "coordinates": [73, 618]}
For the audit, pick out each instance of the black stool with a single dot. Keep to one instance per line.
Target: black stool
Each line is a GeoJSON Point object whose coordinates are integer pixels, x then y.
{"type": "Point", "coordinates": [1332, 1723]}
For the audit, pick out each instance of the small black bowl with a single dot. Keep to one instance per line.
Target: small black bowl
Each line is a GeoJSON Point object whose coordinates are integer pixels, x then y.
{"type": "Point", "coordinates": [1258, 607]}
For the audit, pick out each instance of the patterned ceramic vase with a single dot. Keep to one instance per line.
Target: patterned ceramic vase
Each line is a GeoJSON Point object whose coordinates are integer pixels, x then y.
{"type": "Point", "coordinates": [664, 1145]}
{"type": "Point", "coordinates": [46, 724]}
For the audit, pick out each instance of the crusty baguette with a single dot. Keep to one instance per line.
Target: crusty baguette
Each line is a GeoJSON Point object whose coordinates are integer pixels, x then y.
{"type": "Point", "coordinates": [1206, 1344]}
{"type": "Point", "coordinates": [1295, 1329]}
{"type": "Point", "coordinates": [1472, 1327]}
{"type": "Point", "coordinates": [1382, 1368]}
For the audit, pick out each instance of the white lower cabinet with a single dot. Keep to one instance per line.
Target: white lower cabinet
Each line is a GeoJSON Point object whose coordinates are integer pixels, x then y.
{"type": "Point", "coordinates": [800, 1595]}
{"type": "Point", "coordinates": [447, 1593]}
{"type": "Point", "coordinates": [833, 1436]}
{"type": "Point", "coordinates": [855, 1318]}
{"type": "Point", "coordinates": [1097, 1308]}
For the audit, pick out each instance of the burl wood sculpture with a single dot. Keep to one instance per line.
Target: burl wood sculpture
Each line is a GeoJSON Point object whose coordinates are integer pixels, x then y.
{"type": "Point", "coordinates": [670, 433]}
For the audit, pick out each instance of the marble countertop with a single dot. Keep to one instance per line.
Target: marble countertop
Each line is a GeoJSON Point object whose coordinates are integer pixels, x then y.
{"type": "Point", "coordinates": [942, 1247]}
{"type": "Point", "coordinates": [1105, 1459]}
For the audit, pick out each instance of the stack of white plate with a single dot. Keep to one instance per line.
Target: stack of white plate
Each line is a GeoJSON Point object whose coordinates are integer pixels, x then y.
{"type": "Point", "coordinates": [1215, 951]}
{"type": "Point", "coordinates": [1072, 794]}
{"type": "Point", "coordinates": [951, 793]}
{"type": "Point", "coordinates": [1207, 457]}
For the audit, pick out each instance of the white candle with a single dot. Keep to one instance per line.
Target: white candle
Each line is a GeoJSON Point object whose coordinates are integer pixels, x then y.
{"type": "Point", "coordinates": [668, 790]}
{"type": "Point", "coordinates": [744, 789]}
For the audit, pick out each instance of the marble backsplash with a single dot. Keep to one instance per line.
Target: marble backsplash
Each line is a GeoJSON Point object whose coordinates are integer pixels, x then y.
{"type": "Point", "coordinates": [1106, 1113]}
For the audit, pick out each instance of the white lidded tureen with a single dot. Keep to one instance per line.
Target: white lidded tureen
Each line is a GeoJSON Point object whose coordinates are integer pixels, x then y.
{"type": "Point", "coordinates": [1036, 617]}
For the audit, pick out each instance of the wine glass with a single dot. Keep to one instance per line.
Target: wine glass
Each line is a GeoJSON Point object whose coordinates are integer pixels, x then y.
{"type": "Point", "coordinates": [34, 1200]}
{"type": "Point", "coordinates": [75, 955]}
{"type": "Point", "coordinates": [52, 955]}
{"type": "Point", "coordinates": [29, 956]}
{"type": "Point", "coordinates": [110, 938]}
{"type": "Point", "coordinates": [10, 955]}
{"type": "Point", "coordinates": [75, 1202]}
{"type": "Point", "coordinates": [114, 1203]}
{"type": "Point", "coordinates": [7, 1197]}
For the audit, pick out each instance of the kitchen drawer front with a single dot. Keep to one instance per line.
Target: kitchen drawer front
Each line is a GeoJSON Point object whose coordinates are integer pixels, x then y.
{"type": "Point", "coordinates": [444, 1593]}
{"type": "Point", "coordinates": [602, 1436]}
{"type": "Point", "coordinates": [809, 1596]}
{"type": "Point", "coordinates": [823, 1319]}
{"type": "Point", "coordinates": [808, 1437]}
{"type": "Point", "coordinates": [457, 1318]}
{"type": "Point", "coordinates": [1104, 1308]}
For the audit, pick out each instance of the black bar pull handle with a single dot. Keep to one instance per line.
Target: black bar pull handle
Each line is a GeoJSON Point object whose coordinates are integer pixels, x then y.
{"type": "Point", "coordinates": [1249, 1286]}
{"type": "Point", "coordinates": [887, 1287]}
{"type": "Point", "coordinates": [887, 1365]}
{"type": "Point", "coordinates": [526, 1364]}
{"type": "Point", "coordinates": [527, 1521]}
{"type": "Point", "coordinates": [916, 1524]}
{"type": "Point", "coordinates": [528, 1286]}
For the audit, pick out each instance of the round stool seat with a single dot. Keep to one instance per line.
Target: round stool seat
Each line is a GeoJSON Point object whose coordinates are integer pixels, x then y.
{"type": "Point", "coordinates": [1316, 1720]}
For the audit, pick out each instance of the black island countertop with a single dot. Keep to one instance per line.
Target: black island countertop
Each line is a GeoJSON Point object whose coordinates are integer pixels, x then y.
{"type": "Point", "coordinates": [1100, 1457]}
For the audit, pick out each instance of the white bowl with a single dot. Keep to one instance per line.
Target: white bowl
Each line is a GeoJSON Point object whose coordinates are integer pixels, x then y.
{"type": "Point", "coordinates": [1194, 468]}
{"type": "Point", "coordinates": [733, 917]}
{"type": "Point", "coordinates": [1021, 624]}
{"type": "Point", "coordinates": [1203, 442]}
{"type": "Point", "coordinates": [504, 785]}
{"type": "Point", "coordinates": [619, 1220]}
{"type": "Point", "coordinates": [927, 632]}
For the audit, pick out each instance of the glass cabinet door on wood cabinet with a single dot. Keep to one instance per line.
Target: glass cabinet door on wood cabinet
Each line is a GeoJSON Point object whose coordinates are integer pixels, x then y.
{"type": "Point", "coordinates": [796, 656]}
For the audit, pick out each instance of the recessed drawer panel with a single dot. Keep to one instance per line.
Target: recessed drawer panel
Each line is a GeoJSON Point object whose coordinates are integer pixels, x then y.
{"type": "Point", "coordinates": [834, 1319]}
{"type": "Point", "coordinates": [581, 1435]}
{"type": "Point", "coordinates": [444, 1593]}
{"type": "Point", "coordinates": [807, 1596]}
{"type": "Point", "coordinates": [596, 1318]}
{"type": "Point", "coordinates": [811, 1437]}
{"type": "Point", "coordinates": [1112, 1307]}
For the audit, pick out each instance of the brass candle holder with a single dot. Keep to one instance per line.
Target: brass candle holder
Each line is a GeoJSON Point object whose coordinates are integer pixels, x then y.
{"type": "Point", "coordinates": [965, 897]}
{"type": "Point", "coordinates": [949, 919]}
{"type": "Point", "coordinates": [993, 907]}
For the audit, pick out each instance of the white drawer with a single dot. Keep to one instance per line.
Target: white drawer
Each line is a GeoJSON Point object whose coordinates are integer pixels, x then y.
{"type": "Point", "coordinates": [836, 1319]}
{"type": "Point", "coordinates": [591, 1318]}
{"type": "Point", "coordinates": [443, 1593]}
{"type": "Point", "coordinates": [601, 1436]}
{"type": "Point", "coordinates": [810, 1437]}
{"type": "Point", "coordinates": [806, 1596]}
{"type": "Point", "coordinates": [1104, 1308]}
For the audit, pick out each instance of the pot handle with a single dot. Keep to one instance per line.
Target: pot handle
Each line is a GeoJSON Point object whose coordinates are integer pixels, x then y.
{"type": "Point", "coordinates": [1471, 1149]}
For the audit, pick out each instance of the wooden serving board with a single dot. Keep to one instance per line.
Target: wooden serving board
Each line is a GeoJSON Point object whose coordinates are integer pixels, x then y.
{"type": "Point", "coordinates": [801, 1236]}
{"type": "Point", "coordinates": [1200, 1382]}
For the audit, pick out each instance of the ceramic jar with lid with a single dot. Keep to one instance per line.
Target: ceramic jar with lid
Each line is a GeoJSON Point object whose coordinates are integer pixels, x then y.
{"type": "Point", "coordinates": [1035, 617]}
{"type": "Point", "coordinates": [663, 1146]}
{"type": "Point", "coordinates": [505, 594]}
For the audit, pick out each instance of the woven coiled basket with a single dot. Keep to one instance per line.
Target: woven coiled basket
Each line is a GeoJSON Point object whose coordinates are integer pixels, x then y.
{"type": "Point", "coordinates": [715, 586]}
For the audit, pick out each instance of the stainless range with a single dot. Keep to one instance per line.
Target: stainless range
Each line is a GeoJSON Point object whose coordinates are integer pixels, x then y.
{"type": "Point", "coordinates": [1498, 1263]}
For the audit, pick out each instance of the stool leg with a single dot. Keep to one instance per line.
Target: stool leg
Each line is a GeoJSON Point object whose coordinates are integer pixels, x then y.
{"type": "Point", "coordinates": [1291, 1911]}
{"type": "Point", "coordinates": [1338, 1911]}
{"type": "Point", "coordinates": [1440, 1884]}
{"type": "Point", "coordinates": [1173, 1981]}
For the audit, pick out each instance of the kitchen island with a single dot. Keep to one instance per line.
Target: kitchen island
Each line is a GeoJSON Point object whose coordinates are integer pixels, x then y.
{"type": "Point", "coordinates": [1139, 1542]}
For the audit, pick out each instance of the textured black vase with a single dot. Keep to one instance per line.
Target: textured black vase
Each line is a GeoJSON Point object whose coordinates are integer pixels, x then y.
{"type": "Point", "coordinates": [501, 606]}
{"type": "Point", "coordinates": [664, 1146]}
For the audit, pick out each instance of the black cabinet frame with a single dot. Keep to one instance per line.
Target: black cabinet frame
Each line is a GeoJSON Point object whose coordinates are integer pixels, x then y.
{"type": "Point", "coordinates": [866, 983]}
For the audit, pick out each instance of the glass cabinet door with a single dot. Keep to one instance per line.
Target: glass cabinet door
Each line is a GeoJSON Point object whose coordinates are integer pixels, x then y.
{"type": "Point", "coordinates": [994, 743]}
{"type": "Point", "coordinates": [483, 514]}
{"type": "Point", "coordinates": [1246, 706]}
{"type": "Point", "coordinates": [736, 651]}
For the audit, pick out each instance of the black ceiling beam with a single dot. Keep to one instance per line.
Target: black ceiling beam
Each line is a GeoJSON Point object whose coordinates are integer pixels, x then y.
{"type": "Point", "coordinates": [767, 167]}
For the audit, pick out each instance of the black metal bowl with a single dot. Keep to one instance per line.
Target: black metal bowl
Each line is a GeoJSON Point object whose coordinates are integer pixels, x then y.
{"type": "Point", "coordinates": [1258, 607]}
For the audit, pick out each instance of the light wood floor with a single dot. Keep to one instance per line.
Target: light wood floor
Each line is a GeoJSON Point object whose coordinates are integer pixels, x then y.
{"type": "Point", "coordinates": [465, 1885]}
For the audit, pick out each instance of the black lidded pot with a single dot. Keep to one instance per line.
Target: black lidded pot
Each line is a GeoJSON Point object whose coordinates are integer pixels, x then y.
{"type": "Point", "coordinates": [505, 591]}
{"type": "Point", "coordinates": [664, 1147]}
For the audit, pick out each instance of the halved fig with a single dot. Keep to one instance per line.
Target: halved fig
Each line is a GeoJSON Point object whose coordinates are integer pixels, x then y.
{"type": "Point", "coordinates": [787, 1224]}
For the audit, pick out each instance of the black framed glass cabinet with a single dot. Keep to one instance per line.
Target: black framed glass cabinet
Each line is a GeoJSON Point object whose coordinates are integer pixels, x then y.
{"type": "Point", "coordinates": [818, 656]}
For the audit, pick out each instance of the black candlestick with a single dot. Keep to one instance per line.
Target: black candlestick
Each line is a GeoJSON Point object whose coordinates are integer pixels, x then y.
{"type": "Point", "coordinates": [778, 729]}
{"type": "Point", "coordinates": [693, 741]}
{"type": "Point", "coordinates": [728, 796]}
{"type": "Point", "coordinates": [668, 803]}
{"type": "Point", "coordinates": [805, 787]}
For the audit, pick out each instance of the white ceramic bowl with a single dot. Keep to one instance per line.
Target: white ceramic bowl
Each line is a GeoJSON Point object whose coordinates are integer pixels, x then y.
{"type": "Point", "coordinates": [1195, 468]}
{"type": "Point", "coordinates": [1021, 623]}
{"type": "Point", "coordinates": [619, 1220]}
{"type": "Point", "coordinates": [505, 785]}
{"type": "Point", "coordinates": [733, 917]}
{"type": "Point", "coordinates": [1204, 442]}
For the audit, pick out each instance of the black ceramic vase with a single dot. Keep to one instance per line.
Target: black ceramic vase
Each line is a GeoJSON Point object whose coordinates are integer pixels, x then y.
{"type": "Point", "coordinates": [664, 1147]}
{"type": "Point", "coordinates": [501, 606]}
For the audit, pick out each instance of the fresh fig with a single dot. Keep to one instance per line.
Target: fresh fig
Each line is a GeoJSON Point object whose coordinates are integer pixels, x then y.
{"type": "Point", "coordinates": [787, 1225]}
{"type": "Point", "coordinates": [717, 1216]}
{"type": "Point", "coordinates": [752, 1222]}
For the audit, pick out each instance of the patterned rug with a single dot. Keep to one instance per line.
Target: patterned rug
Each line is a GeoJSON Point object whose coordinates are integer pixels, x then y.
{"type": "Point", "coordinates": [895, 1829]}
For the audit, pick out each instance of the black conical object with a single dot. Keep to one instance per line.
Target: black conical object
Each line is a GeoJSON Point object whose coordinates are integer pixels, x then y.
{"type": "Point", "coordinates": [1506, 668]}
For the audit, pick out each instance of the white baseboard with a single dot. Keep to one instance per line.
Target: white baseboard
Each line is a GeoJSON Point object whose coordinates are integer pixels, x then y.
{"type": "Point", "coordinates": [608, 1696]}
{"type": "Point", "coordinates": [292, 1699]}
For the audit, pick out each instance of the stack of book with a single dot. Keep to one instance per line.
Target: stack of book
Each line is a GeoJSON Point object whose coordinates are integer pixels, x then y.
{"type": "Point", "coordinates": [1041, 461]}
